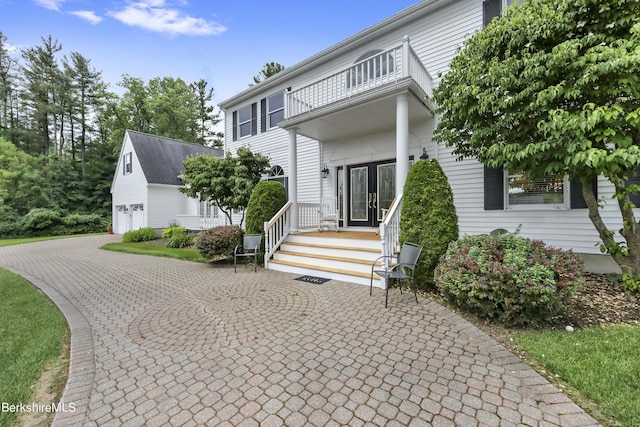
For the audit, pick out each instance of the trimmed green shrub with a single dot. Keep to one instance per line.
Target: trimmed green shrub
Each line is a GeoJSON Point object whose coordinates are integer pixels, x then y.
{"type": "Point", "coordinates": [140, 235]}
{"type": "Point", "coordinates": [173, 230]}
{"type": "Point", "coordinates": [219, 241]}
{"type": "Point", "coordinates": [266, 200]}
{"type": "Point", "coordinates": [508, 278]}
{"type": "Point", "coordinates": [428, 217]}
{"type": "Point", "coordinates": [83, 223]}
{"type": "Point", "coordinates": [177, 240]}
{"type": "Point", "coordinates": [38, 220]}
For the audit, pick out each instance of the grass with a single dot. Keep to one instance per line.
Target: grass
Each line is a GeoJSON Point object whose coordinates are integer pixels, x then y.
{"type": "Point", "coordinates": [32, 332]}
{"type": "Point", "coordinates": [141, 248]}
{"type": "Point", "coordinates": [602, 363]}
{"type": "Point", "coordinates": [18, 241]}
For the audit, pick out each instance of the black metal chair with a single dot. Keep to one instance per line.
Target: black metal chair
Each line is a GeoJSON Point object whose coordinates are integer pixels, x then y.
{"type": "Point", "coordinates": [403, 269]}
{"type": "Point", "coordinates": [250, 248]}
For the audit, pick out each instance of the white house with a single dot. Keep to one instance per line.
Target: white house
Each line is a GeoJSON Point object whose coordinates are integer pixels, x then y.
{"type": "Point", "coordinates": [348, 122]}
{"type": "Point", "coordinates": [146, 181]}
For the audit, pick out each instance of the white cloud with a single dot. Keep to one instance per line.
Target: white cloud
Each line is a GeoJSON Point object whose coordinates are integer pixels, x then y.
{"type": "Point", "coordinates": [88, 16]}
{"type": "Point", "coordinates": [50, 4]}
{"type": "Point", "coordinates": [155, 15]}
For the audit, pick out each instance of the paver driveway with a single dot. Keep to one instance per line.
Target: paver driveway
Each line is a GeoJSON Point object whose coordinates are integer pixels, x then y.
{"type": "Point", "coordinates": [163, 342]}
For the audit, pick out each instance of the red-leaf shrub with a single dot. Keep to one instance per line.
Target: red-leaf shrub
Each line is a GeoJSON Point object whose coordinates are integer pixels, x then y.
{"type": "Point", "coordinates": [219, 241]}
{"type": "Point", "coordinates": [507, 278]}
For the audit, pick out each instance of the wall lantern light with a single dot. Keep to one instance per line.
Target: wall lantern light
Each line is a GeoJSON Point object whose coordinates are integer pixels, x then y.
{"type": "Point", "coordinates": [325, 170]}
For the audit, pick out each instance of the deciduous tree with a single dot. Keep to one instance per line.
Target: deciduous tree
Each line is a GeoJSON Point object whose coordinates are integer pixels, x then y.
{"type": "Point", "coordinates": [552, 87]}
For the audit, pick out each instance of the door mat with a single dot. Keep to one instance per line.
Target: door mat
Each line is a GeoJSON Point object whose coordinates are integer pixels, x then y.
{"type": "Point", "coordinates": [312, 279]}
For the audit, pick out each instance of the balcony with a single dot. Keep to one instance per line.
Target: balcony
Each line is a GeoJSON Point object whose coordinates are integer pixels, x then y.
{"type": "Point", "coordinates": [360, 98]}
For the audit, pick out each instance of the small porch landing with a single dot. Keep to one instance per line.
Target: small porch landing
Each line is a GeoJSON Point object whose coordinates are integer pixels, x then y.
{"type": "Point", "coordinates": [345, 255]}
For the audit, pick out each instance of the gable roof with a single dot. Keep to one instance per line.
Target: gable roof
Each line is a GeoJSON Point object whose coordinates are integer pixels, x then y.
{"type": "Point", "coordinates": [398, 20]}
{"type": "Point", "coordinates": [161, 158]}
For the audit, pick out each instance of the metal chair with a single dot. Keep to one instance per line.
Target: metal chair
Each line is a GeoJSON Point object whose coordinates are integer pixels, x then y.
{"type": "Point", "coordinates": [328, 215]}
{"type": "Point", "coordinates": [402, 270]}
{"type": "Point", "coordinates": [250, 248]}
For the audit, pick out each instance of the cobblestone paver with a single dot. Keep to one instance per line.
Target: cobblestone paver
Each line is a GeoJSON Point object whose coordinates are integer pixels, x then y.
{"type": "Point", "coordinates": [164, 342]}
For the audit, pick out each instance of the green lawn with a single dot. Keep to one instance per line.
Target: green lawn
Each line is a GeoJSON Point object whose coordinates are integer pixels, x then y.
{"type": "Point", "coordinates": [601, 363]}
{"type": "Point", "coordinates": [9, 242]}
{"type": "Point", "coordinates": [142, 248]}
{"type": "Point", "coordinates": [32, 331]}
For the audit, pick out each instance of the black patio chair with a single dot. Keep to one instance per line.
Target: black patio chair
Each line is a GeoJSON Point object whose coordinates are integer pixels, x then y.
{"type": "Point", "coordinates": [250, 248]}
{"type": "Point", "coordinates": [403, 269]}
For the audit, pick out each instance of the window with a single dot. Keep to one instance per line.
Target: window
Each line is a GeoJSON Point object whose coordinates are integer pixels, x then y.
{"type": "Point", "coordinates": [127, 163]}
{"type": "Point", "coordinates": [245, 121]}
{"type": "Point", "coordinates": [276, 173]}
{"type": "Point", "coordinates": [207, 209]}
{"type": "Point", "coordinates": [373, 64]}
{"type": "Point", "coordinates": [276, 109]}
{"type": "Point", "coordinates": [548, 192]}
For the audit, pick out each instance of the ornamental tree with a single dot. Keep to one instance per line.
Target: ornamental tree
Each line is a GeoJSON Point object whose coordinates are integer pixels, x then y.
{"type": "Point", "coordinates": [227, 182]}
{"type": "Point", "coordinates": [552, 87]}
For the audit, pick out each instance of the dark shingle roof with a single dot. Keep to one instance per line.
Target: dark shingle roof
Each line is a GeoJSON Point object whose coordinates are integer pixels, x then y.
{"type": "Point", "coordinates": [161, 158]}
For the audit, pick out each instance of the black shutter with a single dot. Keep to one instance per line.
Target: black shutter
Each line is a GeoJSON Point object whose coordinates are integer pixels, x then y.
{"type": "Point", "coordinates": [254, 118]}
{"type": "Point", "coordinates": [493, 189]}
{"type": "Point", "coordinates": [576, 198]}
{"type": "Point", "coordinates": [490, 10]}
{"type": "Point", "coordinates": [635, 179]}
{"type": "Point", "coordinates": [235, 125]}
{"type": "Point", "coordinates": [263, 115]}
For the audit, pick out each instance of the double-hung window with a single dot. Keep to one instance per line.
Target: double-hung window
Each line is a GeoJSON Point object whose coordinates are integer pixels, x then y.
{"type": "Point", "coordinates": [127, 163]}
{"type": "Point", "coordinates": [245, 121]}
{"type": "Point", "coordinates": [550, 192]}
{"type": "Point", "coordinates": [275, 109]}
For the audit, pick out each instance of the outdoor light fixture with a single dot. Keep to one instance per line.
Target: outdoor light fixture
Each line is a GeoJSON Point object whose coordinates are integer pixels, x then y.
{"type": "Point", "coordinates": [325, 170]}
{"type": "Point", "coordinates": [424, 156]}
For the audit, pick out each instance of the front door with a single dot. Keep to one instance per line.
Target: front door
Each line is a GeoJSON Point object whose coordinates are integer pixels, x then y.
{"type": "Point", "coordinates": [371, 189]}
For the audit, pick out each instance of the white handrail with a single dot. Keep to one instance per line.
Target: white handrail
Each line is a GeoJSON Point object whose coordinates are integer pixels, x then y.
{"type": "Point", "coordinates": [382, 68]}
{"type": "Point", "coordinates": [275, 231]}
{"type": "Point", "coordinates": [390, 229]}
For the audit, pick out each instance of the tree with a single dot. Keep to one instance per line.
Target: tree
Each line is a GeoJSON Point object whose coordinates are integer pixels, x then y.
{"type": "Point", "coordinates": [269, 69]}
{"type": "Point", "coordinates": [227, 182]}
{"type": "Point", "coordinates": [428, 217]}
{"type": "Point", "coordinates": [207, 119]}
{"type": "Point", "coordinates": [549, 88]}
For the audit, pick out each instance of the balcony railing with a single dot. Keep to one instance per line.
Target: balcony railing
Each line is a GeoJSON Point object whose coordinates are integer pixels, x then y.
{"type": "Point", "coordinates": [198, 222]}
{"type": "Point", "coordinates": [380, 69]}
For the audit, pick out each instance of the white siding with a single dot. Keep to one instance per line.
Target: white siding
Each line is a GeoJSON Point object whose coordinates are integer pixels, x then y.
{"type": "Point", "coordinates": [165, 203]}
{"type": "Point", "coordinates": [130, 189]}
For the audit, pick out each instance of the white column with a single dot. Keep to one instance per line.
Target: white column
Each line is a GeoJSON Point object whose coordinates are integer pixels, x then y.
{"type": "Point", "coordinates": [293, 178]}
{"type": "Point", "coordinates": [402, 141]}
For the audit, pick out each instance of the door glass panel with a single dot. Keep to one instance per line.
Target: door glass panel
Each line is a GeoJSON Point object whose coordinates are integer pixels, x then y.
{"type": "Point", "coordinates": [359, 194]}
{"type": "Point", "coordinates": [341, 192]}
{"type": "Point", "coordinates": [386, 188]}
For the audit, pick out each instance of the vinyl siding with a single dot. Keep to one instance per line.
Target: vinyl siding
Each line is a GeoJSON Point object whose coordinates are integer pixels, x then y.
{"type": "Point", "coordinates": [128, 189]}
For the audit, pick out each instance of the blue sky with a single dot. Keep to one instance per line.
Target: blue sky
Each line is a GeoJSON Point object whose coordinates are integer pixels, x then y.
{"type": "Point", "coordinates": [225, 42]}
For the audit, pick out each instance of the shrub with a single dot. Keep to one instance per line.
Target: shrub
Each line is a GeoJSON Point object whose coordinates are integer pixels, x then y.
{"type": "Point", "coordinates": [173, 230]}
{"type": "Point", "coordinates": [507, 278]}
{"type": "Point", "coordinates": [177, 237]}
{"type": "Point", "coordinates": [219, 241]}
{"type": "Point", "coordinates": [428, 217]}
{"type": "Point", "coordinates": [83, 223]}
{"type": "Point", "coordinates": [140, 235]}
{"type": "Point", "coordinates": [38, 220]}
{"type": "Point", "coordinates": [183, 240]}
{"type": "Point", "coordinates": [266, 200]}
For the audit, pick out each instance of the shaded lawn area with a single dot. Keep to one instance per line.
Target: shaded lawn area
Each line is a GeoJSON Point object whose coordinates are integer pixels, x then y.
{"type": "Point", "coordinates": [32, 332]}
{"type": "Point", "coordinates": [602, 363]}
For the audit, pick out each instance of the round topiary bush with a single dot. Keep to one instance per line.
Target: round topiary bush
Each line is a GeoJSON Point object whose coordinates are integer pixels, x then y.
{"type": "Point", "coordinates": [508, 278]}
{"type": "Point", "coordinates": [219, 241]}
{"type": "Point", "coordinates": [428, 217]}
{"type": "Point", "coordinates": [266, 200]}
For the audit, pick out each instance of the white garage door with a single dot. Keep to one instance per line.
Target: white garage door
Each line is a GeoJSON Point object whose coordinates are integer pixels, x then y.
{"type": "Point", "coordinates": [121, 220]}
{"type": "Point", "coordinates": [137, 217]}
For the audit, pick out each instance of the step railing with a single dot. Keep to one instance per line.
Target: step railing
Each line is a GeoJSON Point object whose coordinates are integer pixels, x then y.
{"type": "Point", "coordinates": [275, 231]}
{"type": "Point", "coordinates": [390, 230]}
